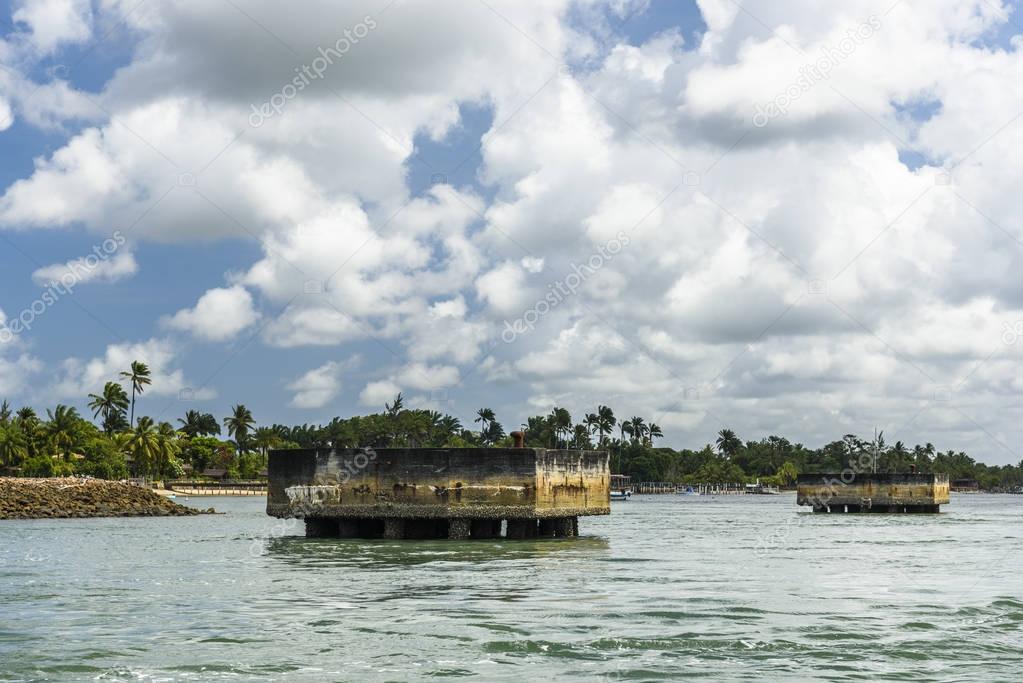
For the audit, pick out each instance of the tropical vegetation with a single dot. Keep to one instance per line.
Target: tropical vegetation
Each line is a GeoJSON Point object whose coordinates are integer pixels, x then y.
{"type": "Point", "coordinates": [117, 443]}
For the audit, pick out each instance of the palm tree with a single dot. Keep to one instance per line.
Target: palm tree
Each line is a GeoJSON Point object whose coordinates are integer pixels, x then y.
{"type": "Point", "coordinates": [654, 432]}
{"type": "Point", "coordinates": [728, 443]}
{"type": "Point", "coordinates": [239, 424]}
{"type": "Point", "coordinates": [199, 424]}
{"type": "Point", "coordinates": [485, 416]}
{"type": "Point", "coordinates": [494, 433]}
{"type": "Point", "coordinates": [167, 448]}
{"type": "Point", "coordinates": [5, 413]}
{"type": "Point", "coordinates": [396, 407]}
{"type": "Point", "coordinates": [27, 420]}
{"type": "Point", "coordinates": [13, 445]}
{"type": "Point", "coordinates": [112, 404]}
{"type": "Point", "coordinates": [561, 420]}
{"type": "Point", "coordinates": [140, 378]}
{"type": "Point", "coordinates": [606, 422]}
{"type": "Point", "coordinates": [62, 429]}
{"type": "Point", "coordinates": [591, 421]}
{"type": "Point", "coordinates": [266, 438]}
{"type": "Point", "coordinates": [143, 443]}
{"type": "Point", "coordinates": [449, 427]}
{"type": "Point", "coordinates": [626, 428]}
{"type": "Point", "coordinates": [581, 436]}
{"type": "Point", "coordinates": [639, 429]}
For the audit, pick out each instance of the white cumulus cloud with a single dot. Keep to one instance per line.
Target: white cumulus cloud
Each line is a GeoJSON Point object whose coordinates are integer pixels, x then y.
{"type": "Point", "coordinates": [219, 315]}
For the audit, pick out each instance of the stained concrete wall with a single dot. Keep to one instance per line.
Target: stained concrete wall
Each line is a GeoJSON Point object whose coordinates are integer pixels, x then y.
{"type": "Point", "coordinates": [573, 480]}
{"type": "Point", "coordinates": [480, 483]}
{"type": "Point", "coordinates": [879, 489]}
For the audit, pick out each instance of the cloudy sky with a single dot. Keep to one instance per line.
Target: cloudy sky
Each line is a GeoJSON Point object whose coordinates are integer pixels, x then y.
{"type": "Point", "coordinates": [764, 215]}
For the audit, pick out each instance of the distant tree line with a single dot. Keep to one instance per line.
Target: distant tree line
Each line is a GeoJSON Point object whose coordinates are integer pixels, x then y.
{"type": "Point", "coordinates": [116, 444]}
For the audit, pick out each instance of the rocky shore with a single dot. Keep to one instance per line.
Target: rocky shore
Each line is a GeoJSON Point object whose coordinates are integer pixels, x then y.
{"type": "Point", "coordinates": [59, 498]}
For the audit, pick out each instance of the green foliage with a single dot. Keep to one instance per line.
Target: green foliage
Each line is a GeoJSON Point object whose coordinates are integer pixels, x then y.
{"type": "Point", "coordinates": [239, 424]}
{"type": "Point", "coordinates": [201, 452]}
{"type": "Point", "coordinates": [139, 377]}
{"type": "Point", "coordinates": [46, 466]}
{"type": "Point", "coordinates": [199, 424]}
{"type": "Point", "coordinates": [65, 443]}
{"type": "Point", "coordinates": [13, 445]}
{"type": "Point", "coordinates": [103, 459]}
{"type": "Point", "coordinates": [248, 466]}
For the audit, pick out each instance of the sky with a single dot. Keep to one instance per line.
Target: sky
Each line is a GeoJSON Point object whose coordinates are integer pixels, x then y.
{"type": "Point", "coordinates": [780, 217]}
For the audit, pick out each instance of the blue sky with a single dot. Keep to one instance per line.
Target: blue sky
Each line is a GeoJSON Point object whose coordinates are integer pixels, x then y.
{"type": "Point", "coordinates": [474, 146]}
{"type": "Point", "coordinates": [173, 277]}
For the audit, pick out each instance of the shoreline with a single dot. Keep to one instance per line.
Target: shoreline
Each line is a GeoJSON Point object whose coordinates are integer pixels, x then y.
{"type": "Point", "coordinates": [208, 493]}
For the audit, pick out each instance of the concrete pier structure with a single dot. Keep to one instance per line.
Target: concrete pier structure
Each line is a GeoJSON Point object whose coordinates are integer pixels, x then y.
{"type": "Point", "coordinates": [457, 493]}
{"type": "Point", "coordinates": [851, 492]}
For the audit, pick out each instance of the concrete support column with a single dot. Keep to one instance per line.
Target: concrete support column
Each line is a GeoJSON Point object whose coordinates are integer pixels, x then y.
{"type": "Point", "coordinates": [321, 527]}
{"type": "Point", "coordinates": [563, 527]}
{"type": "Point", "coordinates": [486, 528]}
{"type": "Point", "coordinates": [394, 529]}
{"type": "Point", "coordinates": [459, 529]}
{"type": "Point", "coordinates": [371, 528]}
{"type": "Point", "coordinates": [348, 528]}
{"type": "Point", "coordinates": [522, 528]}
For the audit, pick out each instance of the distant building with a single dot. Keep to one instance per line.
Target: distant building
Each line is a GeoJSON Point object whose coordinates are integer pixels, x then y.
{"type": "Point", "coordinates": [965, 485]}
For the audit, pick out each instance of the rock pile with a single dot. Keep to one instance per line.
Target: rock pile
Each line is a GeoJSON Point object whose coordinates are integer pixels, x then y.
{"type": "Point", "coordinates": [52, 498]}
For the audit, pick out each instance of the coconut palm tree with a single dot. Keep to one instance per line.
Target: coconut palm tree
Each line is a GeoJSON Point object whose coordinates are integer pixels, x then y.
{"type": "Point", "coordinates": [62, 429]}
{"type": "Point", "coordinates": [561, 420]}
{"type": "Point", "coordinates": [32, 428]}
{"type": "Point", "coordinates": [266, 438]}
{"type": "Point", "coordinates": [605, 422]}
{"type": "Point", "coordinates": [199, 424]}
{"type": "Point", "coordinates": [626, 428]}
{"type": "Point", "coordinates": [13, 445]}
{"type": "Point", "coordinates": [143, 444]}
{"type": "Point", "coordinates": [449, 427]}
{"type": "Point", "coordinates": [639, 429]}
{"type": "Point", "coordinates": [493, 433]}
{"type": "Point", "coordinates": [140, 377]}
{"type": "Point", "coordinates": [396, 407]}
{"type": "Point", "coordinates": [728, 443]}
{"type": "Point", "coordinates": [167, 448]}
{"type": "Point", "coordinates": [238, 424]}
{"type": "Point", "coordinates": [654, 432]}
{"type": "Point", "coordinates": [5, 413]}
{"type": "Point", "coordinates": [111, 404]}
{"type": "Point", "coordinates": [591, 421]}
{"type": "Point", "coordinates": [485, 416]}
{"type": "Point", "coordinates": [581, 436]}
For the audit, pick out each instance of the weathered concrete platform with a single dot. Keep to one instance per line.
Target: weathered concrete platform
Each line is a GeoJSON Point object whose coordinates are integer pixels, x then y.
{"type": "Point", "coordinates": [436, 493]}
{"type": "Point", "coordinates": [849, 492]}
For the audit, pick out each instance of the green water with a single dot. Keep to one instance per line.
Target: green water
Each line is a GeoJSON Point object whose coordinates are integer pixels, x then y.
{"type": "Point", "coordinates": [667, 587]}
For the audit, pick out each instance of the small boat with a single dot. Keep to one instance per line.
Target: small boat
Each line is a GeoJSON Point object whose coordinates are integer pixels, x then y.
{"type": "Point", "coordinates": [688, 492]}
{"type": "Point", "coordinates": [621, 487]}
{"type": "Point", "coordinates": [762, 489]}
